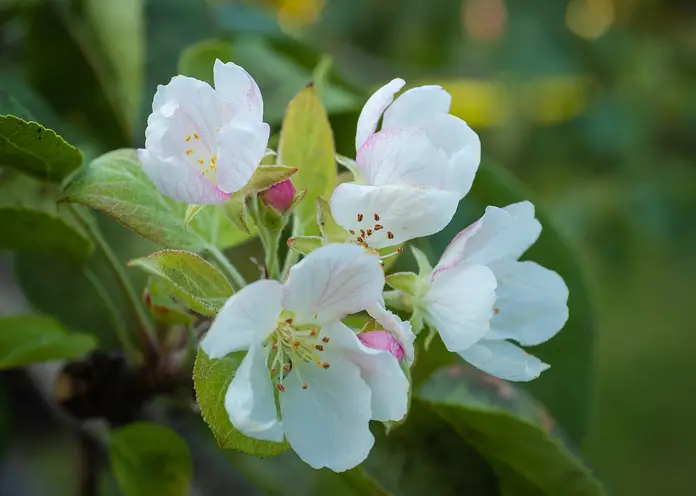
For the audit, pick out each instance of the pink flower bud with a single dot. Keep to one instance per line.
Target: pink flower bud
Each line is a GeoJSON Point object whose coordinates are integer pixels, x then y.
{"type": "Point", "coordinates": [279, 196]}
{"type": "Point", "coordinates": [382, 340]}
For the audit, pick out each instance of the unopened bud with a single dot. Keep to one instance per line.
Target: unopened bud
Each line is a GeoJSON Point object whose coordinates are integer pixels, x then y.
{"type": "Point", "coordinates": [383, 340]}
{"type": "Point", "coordinates": [279, 196]}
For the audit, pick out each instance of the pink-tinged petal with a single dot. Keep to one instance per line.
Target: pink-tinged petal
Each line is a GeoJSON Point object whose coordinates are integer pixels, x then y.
{"type": "Point", "coordinates": [250, 314]}
{"type": "Point", "coordinates": [241, 146]}
{"type": "Point", "coordinates": [373, 110]}
{"type": "Point", "coordinates": [279, 196]}
{"type": "Point", "coordinates": [332, 282]}
{"type": "Point", "coordinates": [383, 340]}
{"type": "Point", "coordinates": [531, 304]}
{"type": "Point", "coordinates": [327, 424]}
{"type": "Point", "coordinates": [250, 400]}
{"type": "Point", "coordinates": [462, 145]}
{"type": "Point", "coordinates": [402, 157]}
{"type": "Point", "coordinates": [459, 305]}
{"type": "Point", "coordinates": [416, 106]}
{"type": "Point", "coordinates": [505, 360]}
{"type": "Point", "coordinates": [180, 181]}
{"type": "Point", "coordinates": [498, 235]}
{"type": "Point", "coordinates": [236, 85]}
{"type": "Point", "coordinates": [393, 214]}
{"type": "Point", "coordinates": [399, 329]}
{"type": "Point", "coordinates": [379, 369]}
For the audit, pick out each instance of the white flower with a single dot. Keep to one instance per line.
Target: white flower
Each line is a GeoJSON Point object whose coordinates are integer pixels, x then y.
{"type": "Point", "coordinates": [481, 296]}
{"type": "Point", "coordinates": [201, 144]}
{"type": "Point", "coordinates": [400, 193]}
{"type": "Point", "coordinates": [329, 384]}
{"type": "Point", "coordinates": [426, 108]}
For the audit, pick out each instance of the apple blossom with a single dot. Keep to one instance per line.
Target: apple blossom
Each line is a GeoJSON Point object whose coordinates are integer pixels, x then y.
{"type": "Point", "coordinates": [202, 144]}
{"type": "Point", "coordinates": [329, 384]}
{"type": "Point", "coordinates": [480, 296]}
{"type": "Point", "coordinates": [425, 108]}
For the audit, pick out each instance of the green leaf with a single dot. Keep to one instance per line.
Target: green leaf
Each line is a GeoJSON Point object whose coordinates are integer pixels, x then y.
{"type": "Point", "coordinates": [27, 339]}
{"type": "Point", "coordinates": [305, 244]}
{"type": "Point", "coordinates": [403, 281]}
{"type": "Point", "coordinates": [192, 280]}
{"type": "Point", "coordinates": [31, 148]}
{"type": "Point", "coordinates": [508, 429]}
{"type": "Point", "coordinates": [40, 232]}
{"type": "Point", "coordinates": [328, 227]}
{"type": "Point", "coordinates": [570, 353]}
{"type": "Point", "coordinates": [197, 60]}
{"type": "Point", "coordinates": [119, 29]}
{"type": "Point", "coordinates": [163, 306]}
{"type": "Point", "coordinates": [116, 185]}
{"type": "Point", "coordinates": [148, 459]}
{"type": "Point", "coordinates": [306, 142]}
{"type": "Point", "coordinates": [211, 379]}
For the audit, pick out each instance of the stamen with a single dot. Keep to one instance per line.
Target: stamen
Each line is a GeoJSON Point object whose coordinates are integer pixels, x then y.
{"type": "Point", "coordinates": [496, 310]}
{"type": "Point", "coordinates": [287, 368]}
{"type": "Point", "coordinates": [376, 216]}
{"type": "Point", "coordinates": [369, 232]}
{"type": "Point", "coordinates": [189, 151]}
{"type": "Point", "coordinates": [399, 250]}
{"type": "Point", "coordinates": [390, 235]}
{"type": "Point", "coordinates": [201, 161]}
{"type": "Point", "coordinates": [360, 217]}
{"type": "Point", "coordinates": [351, 231]}
{"type": "Point", "coordinates": [326, 365]}
{"type": "Point", "coordinates": [188, 138]}
{"type": "Point", "coordinates": [362, 232]}
{"type": "Point", "coordinates": [281, 388]}
{"type": "Point", "coordinates": [325, 339]}
{"type": "Point", "coordinates": [195, 135]}
{"type": "Point", "coordinates": [319, 347]}
{"type": "Point", "coordinates": [378, 227]}
{"type": "Point", "coordinates": [304, 385]}
{"type": "Point", "coordinates": [361, 239]}
{"type": "Point", "coordinates": [389, 255]}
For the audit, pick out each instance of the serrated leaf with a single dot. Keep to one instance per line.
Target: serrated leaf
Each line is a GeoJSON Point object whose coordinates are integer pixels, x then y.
{"type": "Point", "coordinates": [197, 60]}
{"type": "Point", "coordinates": [328, 227]}
{"type": "Point", "coordinates": [31, 148]}
{"type": "Point", "coordinates": [570, 352]}
{"type": "Point", "coordinates": [149, 459]}
{"type": "Point", "coordinates": [305, 244]}
{"type": "Point", "coordinates": [189, 278]}
{"type": "Point", "coordinates": [306, 142]}
{"type": "Point", "coordinates": [266, 176]}
{"type": "Point", "coordinates": [40, 232]}
{"type": "Point", "coordinates": [163, 306]}
{"type": "Point", "coordinates": [211, 379]}
{"type": "Point", "coordinates": [508, 429]}
{"type": "Point", "coordinates": [27, 339]}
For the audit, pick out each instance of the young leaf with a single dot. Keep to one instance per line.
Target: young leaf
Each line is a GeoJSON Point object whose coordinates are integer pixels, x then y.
{"type": "Point", "coordinates": [570, 353]}
{"type": "Point", "coordinates": [306, 142]}
{"type": "Point", "coordinates": [148, 459]}
{"type": "Point", "coordinates": [40, 232]}
{"type": "Point", "coordinates": [27, 339]}
{"type": "Point", "coordinates": [31, 148]}
{"type": "Point", "coordinates": [403, 281]}
{"type": "Point", "coordinates": [508, 429]}
{"type": "Point", "coordinates": [189, 278]}
{"type": "Point", "coordinates": [329, 229]}
{"type": "Point", "coordinates": [266, 176]}
{"type": "Point", "coordinates": [211, 379]}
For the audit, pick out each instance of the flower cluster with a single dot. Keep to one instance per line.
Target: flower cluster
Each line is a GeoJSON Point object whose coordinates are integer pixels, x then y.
{"type": "Point", "coordinates": [308, 378]}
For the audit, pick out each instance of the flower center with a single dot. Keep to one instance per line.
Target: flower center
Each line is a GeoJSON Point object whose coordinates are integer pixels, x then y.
{"type": "Point", "coordinates": [291, 344]}
{"type": "Point", "coordinates": [364, 235]}
{"type": "Point", "coordinates": [199, 153]}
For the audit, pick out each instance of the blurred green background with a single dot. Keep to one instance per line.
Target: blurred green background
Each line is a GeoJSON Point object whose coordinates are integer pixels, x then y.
{"type": "Point", "coordinates": [592, 103]}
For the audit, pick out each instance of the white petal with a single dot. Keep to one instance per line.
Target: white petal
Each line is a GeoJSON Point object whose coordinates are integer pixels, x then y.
{"type": "Point", "coordinates": [237, 86]}
{"type": "Point", "coordinates": [404, 211]}
{"type": "Point", "coordinates": [241, 146]}
{"type": "Point", "coordinates": [402, 157]}
{"type": "Point", "coordinates": [179, 180]}
{"type": "Point", "coordinates": [459, 305]}
{"type": "Point", "coordinates": [495, 236]}
{"type": "Point", "coordinates": [379, 369]}
{"type": "Point", "coordinates": [505, 360]}
{"type": "Point", "coordinates": [250, 313]}
{"type": "Point", "coordinates": [461, 144]}
{"type": "Point", "coordinates": [250, 400]}
{"type": "Point", "coordinates": [532, 303]}
{"type": "Point", "coordinates": [327, 424]}
{"type": "Point", "coordinates": [416, 106]}
{"type": "Point", "coordinates": [400, 329]}
{"type": "Point", "coordinates": [332, 282]}
{"type": "Point", "coordinates": [373, 110]}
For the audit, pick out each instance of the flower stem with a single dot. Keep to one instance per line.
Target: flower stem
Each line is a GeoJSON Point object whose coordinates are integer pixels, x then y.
{"type": "Point", "coordinates": [224, 264]}
{"type": "Point", "coordinates": [270, 240]}
{"type": "Point", "coordinates": [119, 325]}
{"type": "Point", "coordinates": [120, 274]}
